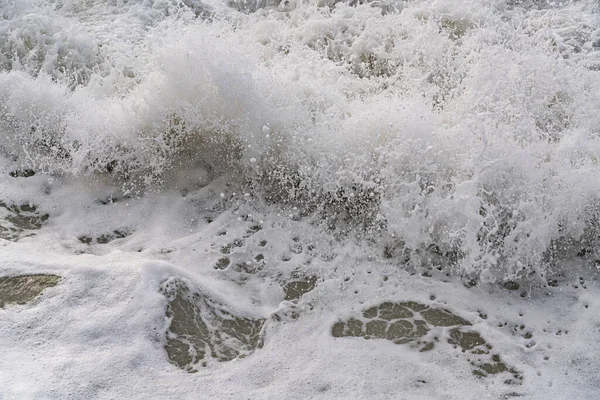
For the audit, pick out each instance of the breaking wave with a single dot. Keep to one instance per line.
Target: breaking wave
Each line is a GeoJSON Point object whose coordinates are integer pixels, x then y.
{"type": "Point", "coordinates": [462, 132]}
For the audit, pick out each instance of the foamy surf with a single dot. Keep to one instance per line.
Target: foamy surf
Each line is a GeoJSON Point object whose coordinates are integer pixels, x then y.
{"type": "Point", "coordinates": [299, 199]}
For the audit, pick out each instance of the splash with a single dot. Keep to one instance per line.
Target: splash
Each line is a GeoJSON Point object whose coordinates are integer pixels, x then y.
{"type": "Point", "coordinates": [444, 133]}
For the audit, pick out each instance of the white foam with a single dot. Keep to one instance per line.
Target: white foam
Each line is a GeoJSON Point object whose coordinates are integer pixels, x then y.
{"type": "Point", "coordinates": [472, 129]}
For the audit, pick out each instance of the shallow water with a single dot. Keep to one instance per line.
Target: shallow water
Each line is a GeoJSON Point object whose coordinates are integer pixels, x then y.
{"type": "Point", "coordinates": [200, 328]}
{"type": "Point", "coordinates": [399, 323]}
{"type": "Point", "coordinates": [24, 288]}
{"type": "Point", "coordinates": [299, 199]}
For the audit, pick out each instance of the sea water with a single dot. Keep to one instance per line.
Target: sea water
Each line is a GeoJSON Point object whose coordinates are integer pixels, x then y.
{"type": "Point", "coordinates": [299, 199]}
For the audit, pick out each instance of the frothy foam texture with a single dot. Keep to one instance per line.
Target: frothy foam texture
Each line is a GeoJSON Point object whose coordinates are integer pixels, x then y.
{"type": "Point", "coordinates": [306, 158]}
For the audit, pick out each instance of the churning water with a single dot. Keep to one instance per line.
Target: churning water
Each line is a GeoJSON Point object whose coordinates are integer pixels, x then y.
{"type": "Point", "coordinates": [299, 199]}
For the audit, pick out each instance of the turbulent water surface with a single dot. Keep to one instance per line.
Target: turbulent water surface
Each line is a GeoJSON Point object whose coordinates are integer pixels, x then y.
{"type": "Point", "coordinates": [299, 199]}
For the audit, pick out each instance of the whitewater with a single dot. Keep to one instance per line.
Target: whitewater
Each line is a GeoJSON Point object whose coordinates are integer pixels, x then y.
{"type": "Point", "coordinates": [298, 199]}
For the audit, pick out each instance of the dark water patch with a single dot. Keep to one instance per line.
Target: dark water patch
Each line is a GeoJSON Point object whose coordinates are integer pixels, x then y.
{"type": "Point", "coordinates": [22, 173]}
{"type": "Point", "coordinates": [223, 263]}
{"type": "Point", "coordinates": [18, 221]}
{"type": "Point", "coordinates": [510, 285]}
{"type": "Point", "coordinates": [295, 289]}
{"type": "Point", "coordinates": [113, 199]}
{"type": "Point", "coordinates": [252, 229]}
{"type": "Point", "coordinates": [105, 238]}
{"type": "Point", "coordinates": [24, 288]}
{"type": "Point", "coordinates": [466, 340]}
{"type": "Point", "coordinates": [455, 28]}
{"type": "Point", "coordinates": [287, 314]}
{"type": "Point", "coordinates": [248, 268]}
{"type": "Point", "coordinates": [228, 248]}
{"type": "Point", "coordinates": [202, 328]}
{"type": "Point", "coordinates": [484, 368]}
{"type": "Point", "coordinates": [410, 323]}
{"type": "Point", "coordinates": [552, 282]}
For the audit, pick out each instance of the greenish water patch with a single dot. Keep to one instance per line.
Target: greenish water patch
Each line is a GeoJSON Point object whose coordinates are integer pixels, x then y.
{"type": "Point", "coordinates": [295, 289]}
{"type": "Point", "coordinates": [201, 328]}
{"type": "Point", "coordinates": [228, 248]}
{"type": "Point", "coordinates": [17, 221]}
{"type": "Point", "coordinates": [105, 237]}
{"type": "Point", "coordinates": [24, 288]}
{"type": "Point", "coordinates": [456, 28]}
{"type": "Point", "coordinates": [409, 322]}
{"type": "Point", "coordinates": [222, 263]}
